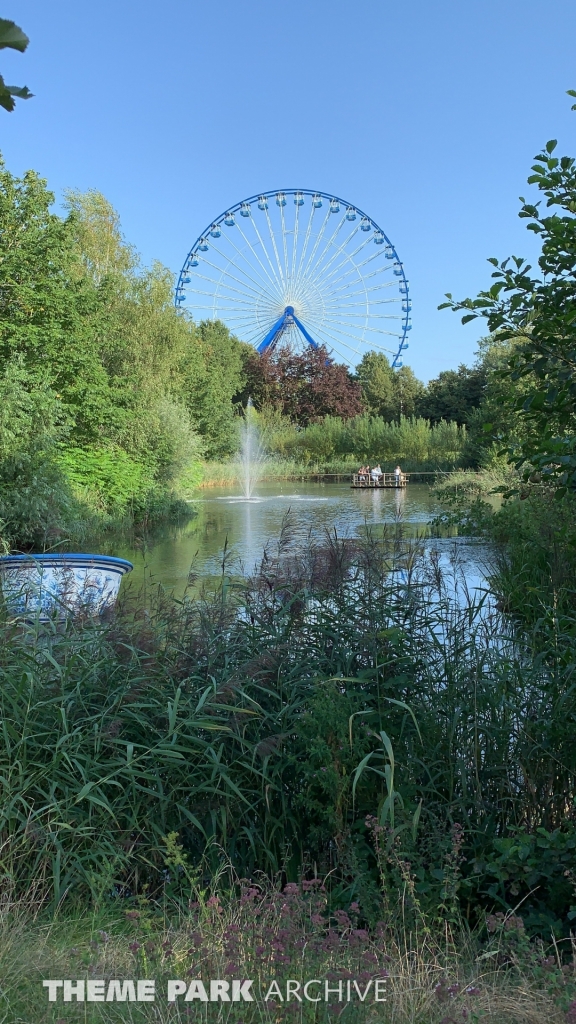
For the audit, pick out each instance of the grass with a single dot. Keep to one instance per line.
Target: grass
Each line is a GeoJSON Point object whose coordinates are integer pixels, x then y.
{"type": "Point", "coordinates": [223, 474]}
{"type": "Point", "coordinates": [267, 933]}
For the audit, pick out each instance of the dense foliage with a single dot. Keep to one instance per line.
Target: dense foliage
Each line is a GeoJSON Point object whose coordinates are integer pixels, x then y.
{"type": "Point", "coordinates": [305, 386]}
{"type": "Point", "coordinates": [388, 393]}
{"type": "Point", "coordinates": [366, 438]}
{"type": "Point", "coordinates": [109, 395]}
{"type": "Point", "coordinates": [455, 394]}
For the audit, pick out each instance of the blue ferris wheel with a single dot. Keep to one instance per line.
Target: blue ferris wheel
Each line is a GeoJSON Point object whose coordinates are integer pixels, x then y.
{"type": "Point", "coordinates": [302, 267]}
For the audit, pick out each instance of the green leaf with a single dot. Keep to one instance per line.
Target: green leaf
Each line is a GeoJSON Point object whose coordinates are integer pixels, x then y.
{"type": "Point", "coordinates": [415, 820]}
{"type": "Point", "coordinates": [12, 36]}
{"type": "Point", "coordinates": [6, 98]}
{"type": "Point", "coordinates": [8, 92]}
{"type": "Point", "coordinates": [21, 91]}
{"type": "Point", "coordinates": [551, 145]}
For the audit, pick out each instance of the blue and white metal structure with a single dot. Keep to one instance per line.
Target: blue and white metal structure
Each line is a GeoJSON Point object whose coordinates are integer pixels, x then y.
{"type": "Point", "coordinates": [300, 266]}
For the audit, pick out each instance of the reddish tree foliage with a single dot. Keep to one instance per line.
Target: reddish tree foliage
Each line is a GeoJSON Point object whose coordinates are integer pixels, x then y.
{"type": "Point", "coordinates": [305, 386]}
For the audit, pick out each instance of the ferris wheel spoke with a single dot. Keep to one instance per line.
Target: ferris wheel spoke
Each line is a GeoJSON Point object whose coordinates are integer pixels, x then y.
{"type": "Point", "coordinates": [245, 288]}
{"type": "Point", "coordinates": [320, 266]}
{"type": "Point", "coordinates": [349, 257]}
{"type": "Point", "coordinates": [248, 305]}
{"type": "Point", "coordinates": [217, 284]}
{"type": "Point", "coordinates": [306, 238]}
{"type": "Point", "coordinates": [317, 242]}
{"type": "Point", "coordinates": [371, 302]}
{"type": "Point", "coordinates": [374, 256]}
{"type": "Point", "coordinates": [362, 312]}
{"type": "Point", "coordinates": [220, 284]}
{"type": "Point", "coordinates": [343, 293]}
{"type": "Point", "coordinates": [322, 269]}
{"type": "Point", "coordinates": [350, 263]}
{"type": "Point", "coordinates": [295, 243]}
{"type": "Point", "coordinates": [355, 268]}
{"type": "Point", "coordinates": [344, 275]}
{"type": "Point", "coordinates": [265, 250]}
{"type": "Point", "coordinates": [243, 323]}
{"type": "Point", "coordinates": [284, 244]}
{"type": "Point", "coordinates": [340, 331]}
{"type": "Point", "coordinates": [231, 307]}
{"type": "Point", "coordinates": [336, 340]}
{"type": "Point", "coordinates": [380, 285]}
{"type": "Point", "coordinates": [327, 247]}
{"type": "Point", "coordinates": [260, 289]}
{"type": "Point", "coordinates": [271, 280]}
{"type": "Point", "coordinates": [237, 265]}
{"type": "Point", "coordinates": [275, 248]}
{"type": "Point", "coordinates": [381, 270]}
{"type": "Point", "coordinates": [363, 316]}
{"type": "Point", "coordinates": [372, 330]}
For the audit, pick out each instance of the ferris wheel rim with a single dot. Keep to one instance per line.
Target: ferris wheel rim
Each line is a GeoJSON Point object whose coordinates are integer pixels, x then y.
{"type": "Point", "coordinates": [331, 197]}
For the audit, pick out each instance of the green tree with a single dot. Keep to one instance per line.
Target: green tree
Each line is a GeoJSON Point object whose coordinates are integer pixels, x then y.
{"type": "Point", "coordinates": [375, 376]}
{"type": "Point", "coordinates": [104, 253]}
{"type": "Point", "coordinates": [43, 302]}
{"type": "Point", "coordinates": [387, 392]}
{"type": "Point", "coordinates": [454, 394]}
{"type": "Point", "coordinates": [540, 314]}
{"type": "Point", "coordinates": [35, 503]}
{"type": "Point", "coordinates": [212, 375]}
{"type": "Point", "coordinates": [406, 394]}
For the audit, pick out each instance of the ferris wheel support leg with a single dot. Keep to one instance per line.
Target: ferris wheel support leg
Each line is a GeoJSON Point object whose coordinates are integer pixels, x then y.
{"type": "Point", "coordinates": [272, 334]}
{"type": "Point", "coordinates": [303, 331]}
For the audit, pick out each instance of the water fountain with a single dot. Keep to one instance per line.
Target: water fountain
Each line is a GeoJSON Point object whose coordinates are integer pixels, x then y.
{"type": "Point", "coordinates": [252, 456]}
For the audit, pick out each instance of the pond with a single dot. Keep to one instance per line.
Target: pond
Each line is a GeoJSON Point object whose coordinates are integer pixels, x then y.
{"type": "Point", "coordinates": [225, 520]}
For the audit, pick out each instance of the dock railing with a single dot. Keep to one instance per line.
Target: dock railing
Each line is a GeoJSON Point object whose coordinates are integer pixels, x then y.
{"type": "Point", "coordinates": [384, 480]}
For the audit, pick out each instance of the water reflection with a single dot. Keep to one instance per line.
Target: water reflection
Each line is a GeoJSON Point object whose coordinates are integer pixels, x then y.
{"type": "Point", "coordinates": [226, 519]}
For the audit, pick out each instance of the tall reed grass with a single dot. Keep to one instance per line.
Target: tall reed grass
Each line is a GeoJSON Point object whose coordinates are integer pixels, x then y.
{"type": "Point", "coordinates": [412, 440]}
{"type": "Point", "coordinates": [337, 447]}
{"type": "Point", "coordinates": [267, 722]}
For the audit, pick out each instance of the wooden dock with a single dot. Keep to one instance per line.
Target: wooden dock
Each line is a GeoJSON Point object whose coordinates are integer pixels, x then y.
{"type": "Point", "coordinates": [363, 481]}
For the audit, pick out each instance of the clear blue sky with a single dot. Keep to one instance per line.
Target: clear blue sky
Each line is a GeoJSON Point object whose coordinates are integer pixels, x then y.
{"type": "Point", "coordinates": [425, 114]}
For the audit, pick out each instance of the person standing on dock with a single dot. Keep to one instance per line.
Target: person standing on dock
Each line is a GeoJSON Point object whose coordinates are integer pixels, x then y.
{"type": "Point", "coordinates": [398, 476]}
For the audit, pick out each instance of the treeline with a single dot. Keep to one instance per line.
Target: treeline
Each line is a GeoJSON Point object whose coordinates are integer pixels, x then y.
{"type": "Point", "coordinates": [107, 396]}
{"type": "Point", "coordinates": [313, 411]}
